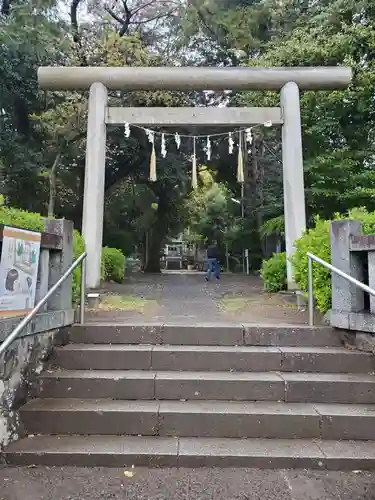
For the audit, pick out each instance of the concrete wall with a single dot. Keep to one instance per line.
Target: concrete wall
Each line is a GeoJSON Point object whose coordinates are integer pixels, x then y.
{"type": "Point", "coordinates": [350, 250]}
{"type": "Point", "coordinates": [25, 358]}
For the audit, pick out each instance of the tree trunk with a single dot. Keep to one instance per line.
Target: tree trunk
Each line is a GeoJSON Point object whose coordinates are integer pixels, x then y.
{"type": "Point", "coordinates": [5, 7]}
{"type": "Point", "coordinates": [153, 262]}
{"type": "Point", "coordinates": [76, 32]}
{"type": "Point", "coordinates": [155, 240]}
{"type": "Point", "coordinates": [259, 189]}
{"type": "Point", "coordinates": [52, 187]}
{"type": "Point", "coordinates": [252, 206]}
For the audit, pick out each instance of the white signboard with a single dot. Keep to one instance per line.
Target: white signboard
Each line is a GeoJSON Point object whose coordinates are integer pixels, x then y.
{"type": "Point", "coordinates": [19, 269]}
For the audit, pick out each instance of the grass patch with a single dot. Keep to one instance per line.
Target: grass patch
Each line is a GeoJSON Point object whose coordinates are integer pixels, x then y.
{"type": "Point", "coordinates": [234, 304]}
{"type": "Point", "coordinates": [240, 304]}
{"type": "Point", "coordinates": [116, 302]}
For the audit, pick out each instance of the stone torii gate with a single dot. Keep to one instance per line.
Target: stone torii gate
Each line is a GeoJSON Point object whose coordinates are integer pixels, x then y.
{"type": "Point", "coordinates": [99, 79]}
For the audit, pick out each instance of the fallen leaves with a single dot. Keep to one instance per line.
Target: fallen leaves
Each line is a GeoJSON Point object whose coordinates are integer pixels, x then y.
{"type": "Point", "coordinates": [129, 473]}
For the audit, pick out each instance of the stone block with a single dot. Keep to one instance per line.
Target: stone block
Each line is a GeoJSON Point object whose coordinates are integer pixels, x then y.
{"type": "Point", "coordinates": [107, 333]}
{"type": "Point", "coordinates": [256, 453]}
{"type": "Point", "coordinates": [94, 451]}
{"type": "Point", "coordinates": [85, 417]}
{"type": "Point", "coordinates": [59, 262]}
{"type": "Point", "coordinates": [219, 386]}
{"type": "Point", "coordinates": [348, 455]}
{"type": "Point", "coordinates": [365, 342]}
{"type": "Point", "coordinates": [202, 334]}
{"type": "Point", "coordinates": [339, 319]}
{"type": "Point", "coordinates": [98, 384]}
{"type": "Point", "coordinates": [42, 284]}
{"type": "Point", "coordinates": [347, 422]}
{"type": "Point", "coordinates": [371, 278]}
{"type": "Point", "coordinates": [288, 335]}
{"type": "Point", "coordinates": [362, 322]}
{"type": "Point", "coordinates": [346, 297]}
{"type": "Point", "coordinates": [326, 360]}
{"type": "Point", "coordinates": [216, 358]}
{"type": "Point", "coordinates": [103, 357]}
{"type": "Point", "coordinates": [238, 420]}
{"type": "Point", "coordinates": [329, 388]}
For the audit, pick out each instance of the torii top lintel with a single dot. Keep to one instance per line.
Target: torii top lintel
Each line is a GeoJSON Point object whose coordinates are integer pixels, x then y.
{"type": "Point", "coordinates": [193, 78]}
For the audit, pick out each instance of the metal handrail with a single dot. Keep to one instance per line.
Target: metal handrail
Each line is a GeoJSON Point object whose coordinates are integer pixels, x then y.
{"type": "Point", "coordinates": [26, 320]}
{"type": "Point", "coordinates": [311, 257]}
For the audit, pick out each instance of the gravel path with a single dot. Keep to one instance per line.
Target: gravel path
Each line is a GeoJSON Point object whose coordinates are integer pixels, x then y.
{"type": "Point", "coordinates": [182, 484]}
{"type": "Point", "coordinates": [183, 297]}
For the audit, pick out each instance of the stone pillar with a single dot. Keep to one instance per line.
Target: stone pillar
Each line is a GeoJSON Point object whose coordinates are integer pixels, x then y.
{"type": "Point", "coordinates": [42, 284]}
{"type": "Point", "coordinates": [371, 278]}
{"type": "Point", "coordinates": [59, 262]}
{"type": "Point", "coordinates": [346, 297]}
{"type": "Point", "coordinates": [294, 192]}
{"type": "Point", "coordinates": [93, 201]}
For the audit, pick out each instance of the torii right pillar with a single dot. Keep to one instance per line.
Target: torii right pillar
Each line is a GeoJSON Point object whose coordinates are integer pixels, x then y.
{"type": "Point", "coordinates": [294, 191]}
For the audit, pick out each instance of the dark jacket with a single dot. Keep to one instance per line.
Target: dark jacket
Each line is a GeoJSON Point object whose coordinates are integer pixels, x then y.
{"type": "Point", "coordinates": [211, 252]}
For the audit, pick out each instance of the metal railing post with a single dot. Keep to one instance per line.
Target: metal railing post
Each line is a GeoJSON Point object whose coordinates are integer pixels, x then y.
{"type": "Point", "coordinates": [83, 293]}
{"type": "Point", "coordinates": [311, 257]}
{"type": "Point", "coordinates": [310, 291]}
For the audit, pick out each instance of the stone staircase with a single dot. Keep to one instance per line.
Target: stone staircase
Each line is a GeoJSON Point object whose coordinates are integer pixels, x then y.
{"type": "Point", "coordinates": [159, 395]}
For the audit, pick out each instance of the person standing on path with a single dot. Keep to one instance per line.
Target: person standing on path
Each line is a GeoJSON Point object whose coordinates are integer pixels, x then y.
{"type": "Point", "coordinates": [213, 264]}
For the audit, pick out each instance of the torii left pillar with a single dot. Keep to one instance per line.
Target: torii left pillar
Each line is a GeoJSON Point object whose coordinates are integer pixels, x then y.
{"type": "Point", "coordinates": [294, 191]}
{"type": "Point", "coordinates": [93, 201]}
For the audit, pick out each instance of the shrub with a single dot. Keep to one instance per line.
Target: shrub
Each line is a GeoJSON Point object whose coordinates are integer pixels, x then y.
{"type": "Point", "coordinates": [113, 264]}
{"type": "Point", "coordinates": [20, 218]}
{"type": "Point", "coordinates": [317, 241]}
{"type": "Point", "coordinates": [78, 249]}
{"type": "Point", "coordinates": [273, 273]}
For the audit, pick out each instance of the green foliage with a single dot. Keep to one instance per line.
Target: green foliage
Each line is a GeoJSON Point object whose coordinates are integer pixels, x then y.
{"type": "Point", "coordinates": [276, 225]}
{"type": "Point", "coordinates": [212, 215]}
{"type": "Point", "coordinates": [42, 135]}
{"type": "Point", "coordinates": [78, 248]}
{"type": "Point", "coordinates": [317, 241]}
{"type": "Point", "coordinates": [273, 273]}
{"type": "Point", "coordinates": [208, 209]}
{"type": "Point", "coordinates": [20, 218]}
{"type": "Point", "coordinates": [113, 264]}
{"type": "Point", "coordinates": [337, 126]}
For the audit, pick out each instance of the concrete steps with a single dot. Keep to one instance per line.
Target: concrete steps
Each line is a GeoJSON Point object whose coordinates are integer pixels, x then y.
{"type": "Point", "coordinates": [212, 358]}
{"type": "Point", "coordinates": [189, 385]}
{"type": "Point", "coordinates": [121, 451]}
{"type": "Point", "coordinates": [217, 335]}
{"type": "Point", "coordinates": [199, 419]}
{"type": "Point", "coordinates": [170, 395]}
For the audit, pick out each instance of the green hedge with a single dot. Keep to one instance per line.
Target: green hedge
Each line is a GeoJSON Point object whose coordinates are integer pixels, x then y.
{"type": "Point", "coordinates": [78, 248]}
{"type": "Point", "coordinates": [316, 241]}
{"type": "Point", "coordinates": [113, 265]}
{"type": "Point", "coordinates": [273, 273]}
{"type": "Point", "coordinates": [21, 218]}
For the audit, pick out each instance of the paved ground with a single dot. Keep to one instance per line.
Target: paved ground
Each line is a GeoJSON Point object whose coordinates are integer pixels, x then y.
{"type": "Point", "coordinates": [183, 484]}
{"type": "Point", "coordinates": [186, 298]}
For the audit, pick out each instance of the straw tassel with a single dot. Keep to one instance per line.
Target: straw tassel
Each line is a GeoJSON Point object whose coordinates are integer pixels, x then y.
{"type": "Point", "coordinates": [153, 164]}
{"type": "Point", "coordinates": [240, 171]}
{"type": "Point", "coordinates": [194, 177]}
